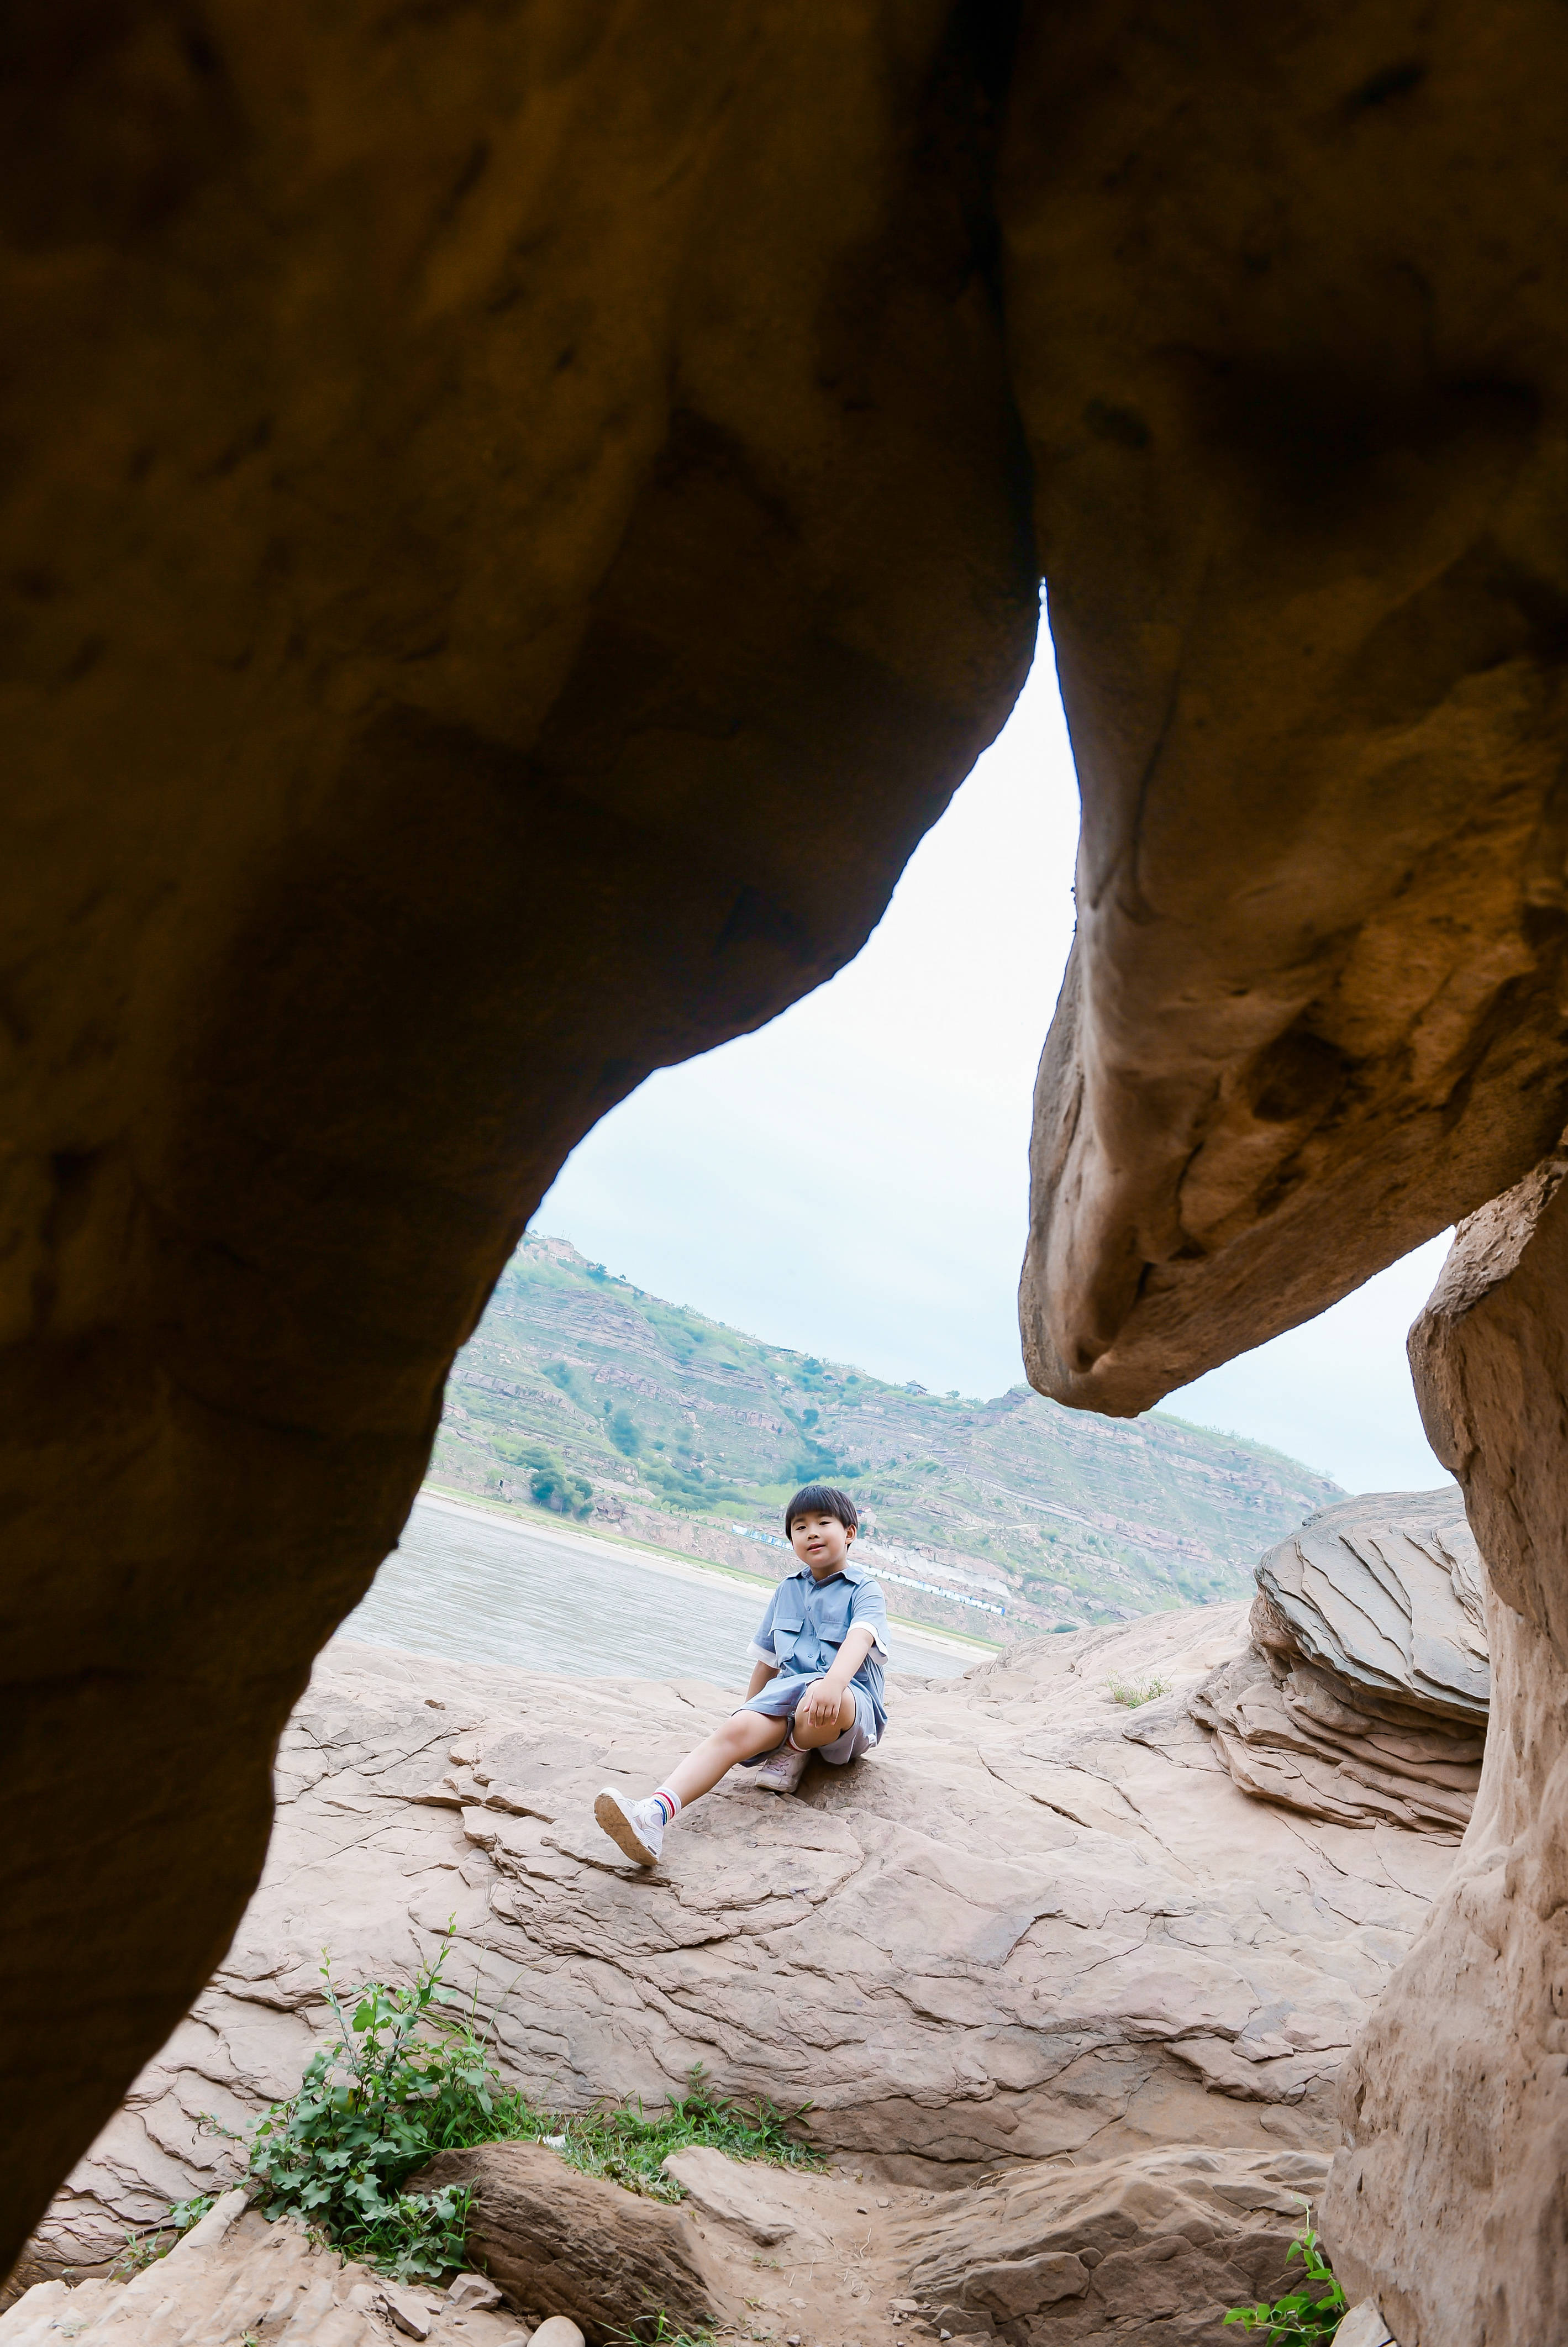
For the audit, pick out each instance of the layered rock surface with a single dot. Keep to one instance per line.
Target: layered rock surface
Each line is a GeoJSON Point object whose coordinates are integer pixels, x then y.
{"type": "Point", "coordinates": [1157, 2245]}
{"type": "Point", "coordinates": [1364, 1695]}
{"type": "Point", "coordinates": [235, 2281]}
{"type": "Point", "coordinates": [1033, 1924]}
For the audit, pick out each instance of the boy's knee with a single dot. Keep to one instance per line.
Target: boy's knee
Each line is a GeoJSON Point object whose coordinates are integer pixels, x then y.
{"type": "Point", "coordinates": [739, 1733]}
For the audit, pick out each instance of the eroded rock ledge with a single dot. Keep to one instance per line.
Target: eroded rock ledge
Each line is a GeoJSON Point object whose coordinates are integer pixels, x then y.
{"type": "Point", "coordinates": [1363, 1696]}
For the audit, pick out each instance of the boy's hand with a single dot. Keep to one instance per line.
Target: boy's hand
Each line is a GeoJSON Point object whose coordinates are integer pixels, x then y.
{"type": "Point", "coordinates": [821, 1706]}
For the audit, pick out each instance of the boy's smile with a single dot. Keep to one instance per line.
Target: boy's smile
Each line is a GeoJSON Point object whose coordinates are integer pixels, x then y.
{"type": "Point", "coordinates": [821, 1542]}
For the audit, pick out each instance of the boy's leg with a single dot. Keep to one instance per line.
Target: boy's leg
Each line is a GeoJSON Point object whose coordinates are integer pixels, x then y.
{"type": "Point", "coordinates": [811, 1739]}
{"type": "Point", "coordinates": [741, 1736]}
{"type": "Point", "coordinates": [638, 1827]}
{"type": "Point", "coordinates": [860, 1734]}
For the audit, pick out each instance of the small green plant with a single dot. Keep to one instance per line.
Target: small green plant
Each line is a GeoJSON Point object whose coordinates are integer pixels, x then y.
{"type": "Point", "coordinates": [409, 2077]}
{"type": "Point", "coordinates": [1132, 1692]}
{"type": "Point", "coordinates": [660, 2334]}
{"type": "Point", "coordinates": [145, 2245]}
{"type": "Point", "coordinates": [1313, 2312]}
{"type": "Point", "coordinates": [369, 2110]}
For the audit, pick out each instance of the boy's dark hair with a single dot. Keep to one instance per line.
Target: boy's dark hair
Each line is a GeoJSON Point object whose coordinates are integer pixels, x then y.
{"type": "Point", "coordinates": [822, 1500]}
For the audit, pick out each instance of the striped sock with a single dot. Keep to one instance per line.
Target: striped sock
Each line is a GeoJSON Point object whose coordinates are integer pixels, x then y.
{"type": "Point", "coordinates": [671, 1802]}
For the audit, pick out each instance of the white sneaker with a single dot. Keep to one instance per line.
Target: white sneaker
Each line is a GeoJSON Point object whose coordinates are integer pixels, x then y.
{"type": "Point", "coordinates": [635, 1827]}
{"type": "Point", "coordinates": [781, 1771]}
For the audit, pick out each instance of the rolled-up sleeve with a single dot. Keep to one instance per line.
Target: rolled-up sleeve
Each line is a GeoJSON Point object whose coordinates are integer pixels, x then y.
{"type": "Point", "coordinates": [761, 1649]}
{"type": "Point", "coordinates": [869, 1610]}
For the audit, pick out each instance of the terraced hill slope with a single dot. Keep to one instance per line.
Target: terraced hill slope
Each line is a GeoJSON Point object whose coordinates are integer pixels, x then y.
{"type": "Point", "coordinates": [581, 1394]}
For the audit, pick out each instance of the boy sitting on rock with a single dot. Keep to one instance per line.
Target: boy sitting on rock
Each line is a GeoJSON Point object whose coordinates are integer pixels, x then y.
{"type": "Point", "coordinates": [817, 1686]}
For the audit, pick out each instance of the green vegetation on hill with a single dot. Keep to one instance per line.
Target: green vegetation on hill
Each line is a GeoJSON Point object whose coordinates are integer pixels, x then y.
{"type": "Point", "coordinates": [582, 1395]}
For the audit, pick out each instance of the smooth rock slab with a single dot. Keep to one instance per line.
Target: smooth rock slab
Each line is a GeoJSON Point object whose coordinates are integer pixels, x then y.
{"type": "Point", "coordinates": [732, 2192]}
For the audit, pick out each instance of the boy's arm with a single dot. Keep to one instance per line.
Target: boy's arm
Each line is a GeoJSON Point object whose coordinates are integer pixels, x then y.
{"type": "Point", "coordinates": [760, 1674]}
{"type": "Point", "coordinates": [828, 1692]}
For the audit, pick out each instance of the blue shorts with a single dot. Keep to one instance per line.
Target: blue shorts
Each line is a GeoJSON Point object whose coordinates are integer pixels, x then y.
{"type": "Point", "coordinates": [779, 1700]}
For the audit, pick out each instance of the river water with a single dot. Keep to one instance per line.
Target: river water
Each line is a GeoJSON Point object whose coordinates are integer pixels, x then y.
{"type": "Point", "coordinates": [473, 1588]}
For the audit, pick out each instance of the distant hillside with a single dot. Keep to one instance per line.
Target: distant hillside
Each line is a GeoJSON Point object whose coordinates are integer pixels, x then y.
{"type": "Point", "coordinates": [581, 1394]}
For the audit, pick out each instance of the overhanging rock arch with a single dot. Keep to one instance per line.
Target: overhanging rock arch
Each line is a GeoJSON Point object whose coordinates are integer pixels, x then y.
{"type": "Point", "coordinates": [516, 522]}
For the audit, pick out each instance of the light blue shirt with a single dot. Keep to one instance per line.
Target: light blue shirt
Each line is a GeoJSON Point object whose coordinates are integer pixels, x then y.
{"type": "Point", "coordinates": [807, 1621]}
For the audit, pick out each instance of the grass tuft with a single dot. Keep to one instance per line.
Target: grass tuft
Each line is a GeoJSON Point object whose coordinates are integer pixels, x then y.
{"type": "Point", "coordinates": [1132, 1692]}
{"type": "Point", "coordinates": [630, 2144]}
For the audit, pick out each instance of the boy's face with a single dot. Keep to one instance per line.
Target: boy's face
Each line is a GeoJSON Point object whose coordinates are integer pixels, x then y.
{"type": "Point", "coordinates": [821, 1542]}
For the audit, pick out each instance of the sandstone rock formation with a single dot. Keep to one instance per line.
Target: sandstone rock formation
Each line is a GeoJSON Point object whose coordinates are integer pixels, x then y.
{"type": "Point", "coordinates": [1033, 1924]}
{"type": "Point", "coordinates": [601, 491]}
{"type": "Point", "coordinates": [1293, 480]}
{"type": "Point", "coordinates": [556, 2242]}
{"type": "Point", "coordinates": [1157, 2245]}
{"type": "Point", "coordinates": [1385, 1592]}
{"type": "Point", "coordinates": [1364, 1695]}
{"type": "Point", "coordinates": [1447, 2206]}
{"type": "Point", "coordinates": [235, 2278]}
{"type": "Point", "coordinates": [514, 524]}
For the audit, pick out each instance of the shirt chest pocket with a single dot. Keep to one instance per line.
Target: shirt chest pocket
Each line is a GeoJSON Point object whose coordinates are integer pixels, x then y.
{"type": "Point", "coordinates": [830, 1613]}
{"type": "Point", "coordinates": [789, 1623]}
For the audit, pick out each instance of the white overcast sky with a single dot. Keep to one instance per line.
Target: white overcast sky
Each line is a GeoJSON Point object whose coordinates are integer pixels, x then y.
{"type": "Point", "coordinates": [852, 1180]}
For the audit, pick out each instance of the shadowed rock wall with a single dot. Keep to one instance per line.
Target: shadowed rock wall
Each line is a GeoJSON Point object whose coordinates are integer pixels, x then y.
{"type": "Point", "coordinates": [1449, 2202]}
{"type": "Point", "coordinates": [514, 525]}
{"type": "Point", "coordinates": [1289, 314]}
{"type": "Point", "coordinates": [1288, 319]}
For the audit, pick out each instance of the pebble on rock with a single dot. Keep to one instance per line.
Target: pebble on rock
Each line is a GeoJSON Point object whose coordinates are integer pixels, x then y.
{"type": "Point", "coordinates": [557, 2330]}
{"type": "Point", "coordinates": [473, 2289]}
